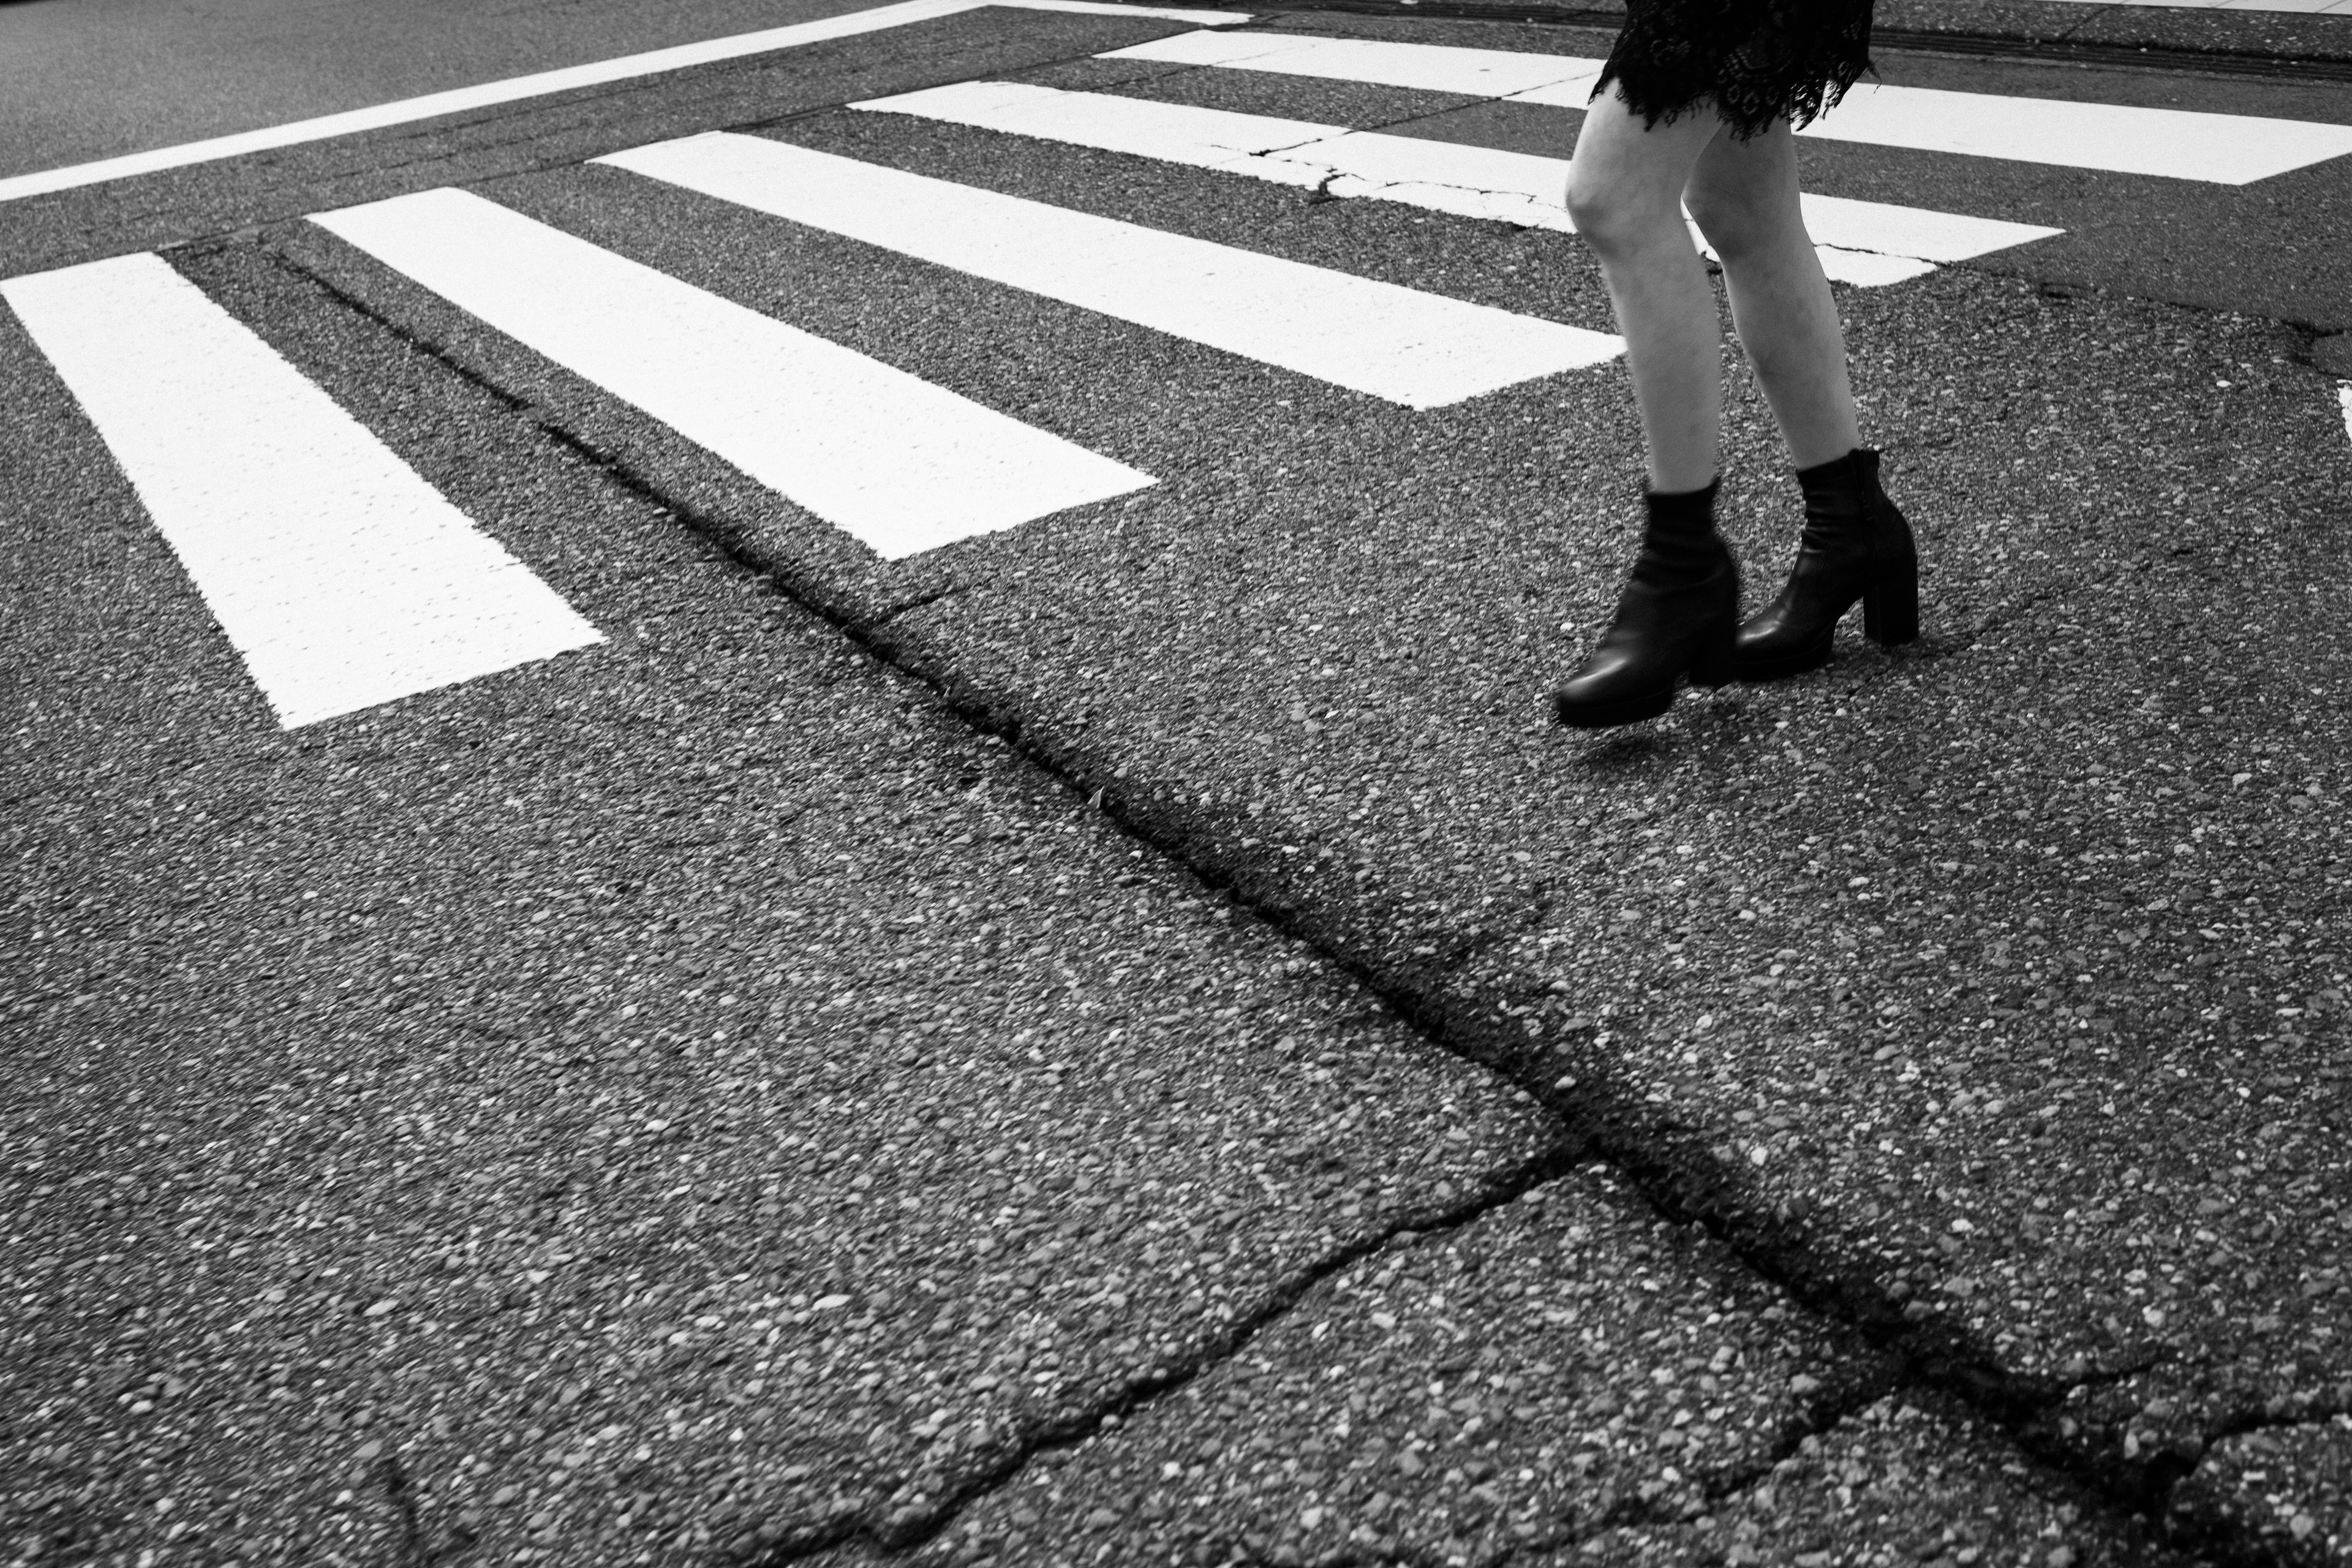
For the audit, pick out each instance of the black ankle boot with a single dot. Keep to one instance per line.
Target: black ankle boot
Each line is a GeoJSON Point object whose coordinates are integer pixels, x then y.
{"type": "Point", "coordinates": [1677, 616]}
{"type": "Point", "coordinates": [1856, 546]}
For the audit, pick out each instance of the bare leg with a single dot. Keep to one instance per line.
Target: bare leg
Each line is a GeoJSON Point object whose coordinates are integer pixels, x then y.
{"type": "Point", "coordinates": [1744, 196]}
{"type": "Point", "coordinates": [1625, 193]}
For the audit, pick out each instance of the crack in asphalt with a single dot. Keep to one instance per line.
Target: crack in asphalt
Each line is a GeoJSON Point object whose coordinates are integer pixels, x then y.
{"type": "Point", "coordinates": [915, 1526]}
{"type": "Point", "coordinates": [924, 601]}
{"type": "Point", "coordinates": [350, 301]}
{"type": "Point", "coordinates": [1667, 1164]}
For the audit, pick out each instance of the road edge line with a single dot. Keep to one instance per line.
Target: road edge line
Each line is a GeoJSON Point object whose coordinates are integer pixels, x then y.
{"type": "Point", "coordinates": [565, 78]}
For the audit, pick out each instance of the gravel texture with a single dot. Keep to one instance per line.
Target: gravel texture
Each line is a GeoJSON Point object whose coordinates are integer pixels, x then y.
{"type": "Point", "coordinates": [2289, 1488]}
{"type": "Point", "coordinates": [510, 1119]}
{"type": "Point", "coordinates": [1531, 1378]}
{"type": "Point", "coordinates": [1512, 1391]}
{"type": "Point", "coordinates": [1986, 989]}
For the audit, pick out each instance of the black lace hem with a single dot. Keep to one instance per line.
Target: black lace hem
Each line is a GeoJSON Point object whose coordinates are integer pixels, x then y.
{"type": "Point", "coordinates": [1758, 61]}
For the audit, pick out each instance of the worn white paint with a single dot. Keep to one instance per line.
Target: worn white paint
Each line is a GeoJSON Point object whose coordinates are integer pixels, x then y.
{"type": "Point", "coordinates": [1411, 347]}
{"type": "Point", "coordinates": [569, 78]}
{"type": "Point", "coordinates": [2343, 396]}
{"type": "Point", "coordinates": [2182, 145]}
{"type": "Point", "coordinates": [1172, 132]}
{"type": "Point", "coordinates": [1865, 243]}
{"type": "Point", "coordinates": [340, 577]}
{"type": "Point", "coordinates": [897, 462]}
{"type": "Point", "coordinates": [1563, 80]}
{"type": "Point", "coordinates": [1892, 230]}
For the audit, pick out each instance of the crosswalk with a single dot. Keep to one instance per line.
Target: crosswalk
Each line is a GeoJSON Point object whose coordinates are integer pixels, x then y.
{"type": "Point", "coordinates": [344, 580]}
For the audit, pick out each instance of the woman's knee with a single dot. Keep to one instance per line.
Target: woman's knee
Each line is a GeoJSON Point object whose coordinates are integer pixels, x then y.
{"type": "Point", "coordinates": [1739, 224]}
{"type": "Point", "coordinates": [1744, 197]}
{"type": "Point", "coordinates": [1730, 223]}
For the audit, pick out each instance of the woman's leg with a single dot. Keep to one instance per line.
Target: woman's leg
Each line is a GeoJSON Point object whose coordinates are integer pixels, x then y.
{"type": "Point", "coordinates": [1855, 543]}
{"type": "Point", "coordinates": [1744, 196]}
{"type": "Point", "coordinates": [1625, 194]}
{"type": "Point", "coordinates": [1678, 615]}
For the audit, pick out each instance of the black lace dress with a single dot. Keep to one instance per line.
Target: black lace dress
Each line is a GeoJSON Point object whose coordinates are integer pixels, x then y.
{"type": "Point", "coordinates": [1760, 62]}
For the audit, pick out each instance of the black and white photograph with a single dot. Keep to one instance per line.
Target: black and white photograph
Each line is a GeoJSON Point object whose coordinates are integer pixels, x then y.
{"type": "Point", "coordinates": [1088, 784]}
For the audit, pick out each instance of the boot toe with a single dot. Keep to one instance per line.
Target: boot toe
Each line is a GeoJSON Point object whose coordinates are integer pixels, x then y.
{"type": "Point", "coordinates": [1607, 711]}
{"type": "Point", "coordinates": [1769, 649]}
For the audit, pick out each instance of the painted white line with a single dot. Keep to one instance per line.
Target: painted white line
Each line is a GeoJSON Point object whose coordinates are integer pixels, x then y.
{"type": "Point", "coordinates": [2182, 145]}
{"type": "Point", "coordinates": [1855, 238]}
{"type": "Point", "coordinates": [898, 463]}
{"type": "Point", "coordinates": [1892, 230]}
{"type": "Point", "coordinates": [2343, 396]}
{"type": "Point", "coordinates": [570, 78]}
{"type": "Point", "coordinates": [1863, 268]}
{"type": "Point", "coordinates": [1418, 349]}
{"type": "Point", "coordinates": [1172, 132]}
{"type": "Point", "coordinates": [2177, 143]}
{"type": "Point", "coordinates": [1563, 80]}
{"type": "Point", "coordinates": [340, 576]}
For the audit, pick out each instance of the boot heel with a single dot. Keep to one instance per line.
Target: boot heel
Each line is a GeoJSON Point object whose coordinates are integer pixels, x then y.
{"type": "Point", "coordinates": [1717, 663]}
{"type": "Point", "coordinates": [1890, 608]}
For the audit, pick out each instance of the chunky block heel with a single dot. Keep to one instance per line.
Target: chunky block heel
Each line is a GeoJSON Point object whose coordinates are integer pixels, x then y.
{"type": "Point", "coordinates": [1890, 608]}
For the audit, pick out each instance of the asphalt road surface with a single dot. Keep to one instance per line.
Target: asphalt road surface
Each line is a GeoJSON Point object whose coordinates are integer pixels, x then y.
{"type": "Point", "coordinates": [838, 841]}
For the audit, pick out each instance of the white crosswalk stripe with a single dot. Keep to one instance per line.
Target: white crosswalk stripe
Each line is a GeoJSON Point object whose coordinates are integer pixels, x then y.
{"type": "Point", "coordinates": [340, 577]}
{"type": "Point", "coordinates": [1861, 242]}
{"type": "Point", "coordinates": [1561, 80]}
{"type": "Point", "coordinates": [898, 463]}
{"type": "Point", "coordinates": [2124, 139]}
{"type": "Point", "coordinates": [1406, 345]}
{"type": "Point", "coordinates": [2175, 144]}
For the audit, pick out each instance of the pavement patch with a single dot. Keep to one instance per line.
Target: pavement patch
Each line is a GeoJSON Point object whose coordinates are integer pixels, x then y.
{"type": "Point", "coordinates": [1566, 1379]}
